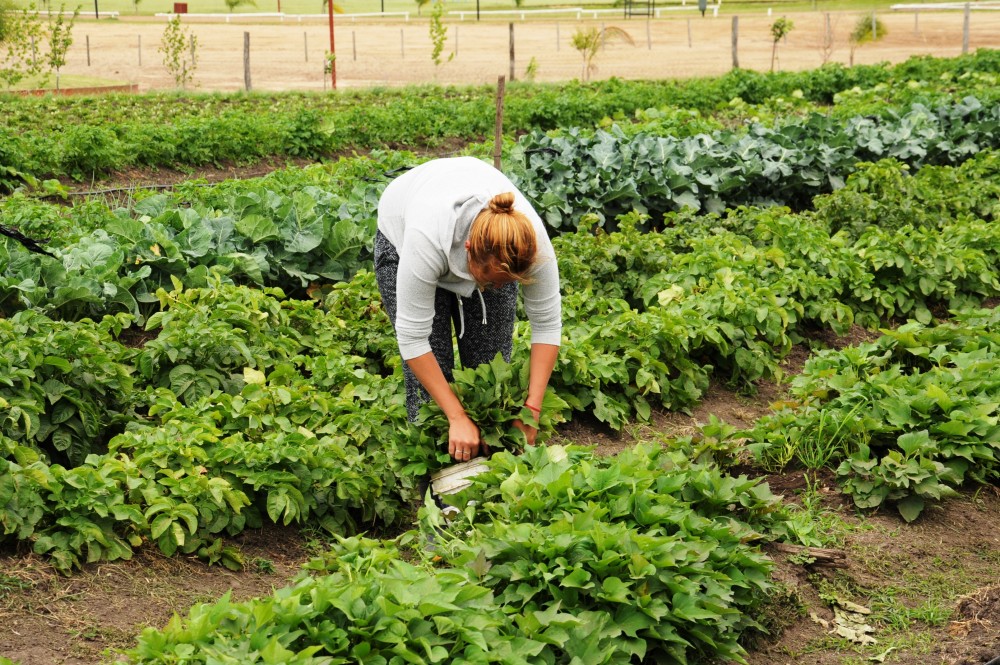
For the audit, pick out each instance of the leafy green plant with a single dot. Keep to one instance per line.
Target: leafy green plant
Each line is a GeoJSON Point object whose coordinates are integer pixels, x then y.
{"type": "Point", "coordinates": [64, 387]}
{"type": "Point", "coordinates": [493, 397]}
{"type": "Point", "coordinates": [915, 414]}
{"type": "Point", "coordinates": [208, 336]}
{"type": "Point", "coordinates": [558, 528]}
{"type": "Point", "coordinates": [361, 602]}
{"type": "Point", "coordinates": [573, 177]}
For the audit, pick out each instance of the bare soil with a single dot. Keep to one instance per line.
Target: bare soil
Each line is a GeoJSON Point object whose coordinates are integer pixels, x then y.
{"type": "Point", "coordinates": [681, 44]}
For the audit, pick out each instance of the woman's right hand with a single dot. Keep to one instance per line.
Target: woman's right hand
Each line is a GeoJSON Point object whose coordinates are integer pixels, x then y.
{"type": "Point", "coordinates": [463, 439]}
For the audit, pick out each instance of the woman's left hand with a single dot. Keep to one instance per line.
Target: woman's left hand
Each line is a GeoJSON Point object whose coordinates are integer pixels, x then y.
{"type": "Point", "coordinates": [530, 433]}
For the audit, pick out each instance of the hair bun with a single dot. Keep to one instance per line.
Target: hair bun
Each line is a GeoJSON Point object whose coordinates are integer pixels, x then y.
{"type": "Point", "coordinates": [502, 203]}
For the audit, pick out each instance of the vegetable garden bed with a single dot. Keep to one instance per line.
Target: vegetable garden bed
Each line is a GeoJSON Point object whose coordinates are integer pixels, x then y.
{"type": "Point", "coordinates": [260, 388]}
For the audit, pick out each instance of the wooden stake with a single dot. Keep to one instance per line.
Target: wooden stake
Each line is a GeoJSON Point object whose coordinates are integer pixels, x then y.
{"type": "Point", "coordinates": [823, 557]}
{"type": "Point", "coordinates": [498, 131]}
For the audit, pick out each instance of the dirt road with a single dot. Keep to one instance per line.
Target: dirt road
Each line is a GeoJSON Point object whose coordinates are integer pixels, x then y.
{"type": "Point", "coordinates": [289, 55]}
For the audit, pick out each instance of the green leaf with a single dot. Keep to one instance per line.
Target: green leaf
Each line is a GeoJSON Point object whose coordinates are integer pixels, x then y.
{"type": "Point", "coordinates": [910, 507]}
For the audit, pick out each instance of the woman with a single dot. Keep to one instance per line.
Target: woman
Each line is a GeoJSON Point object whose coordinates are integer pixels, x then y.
{"type": "Point", "coordinates": [455, 239]}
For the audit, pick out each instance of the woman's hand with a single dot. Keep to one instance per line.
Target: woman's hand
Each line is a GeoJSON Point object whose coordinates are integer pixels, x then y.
{"type": "Point", "coordinates": [463, 438]}
{"type": "Point", "coordinates": [530, 433]}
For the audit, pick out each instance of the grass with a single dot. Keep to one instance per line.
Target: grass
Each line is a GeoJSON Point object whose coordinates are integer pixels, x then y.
{"type": "Point", "coordinates": [65, 82]}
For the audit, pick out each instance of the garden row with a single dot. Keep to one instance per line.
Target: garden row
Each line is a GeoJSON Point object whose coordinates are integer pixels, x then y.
{"type": "Point", "coordinates": [313, 225]}
{"type": "Point", "coordinates": [92, 137]}
{"type": "Point", "coordinates": [565, 558]}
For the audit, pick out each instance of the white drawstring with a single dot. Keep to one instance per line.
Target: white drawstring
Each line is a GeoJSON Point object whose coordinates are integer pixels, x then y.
{"type": "Point", "coordinates": [461, 312]}
{"type": "Point", "coordinates": [482, 303]}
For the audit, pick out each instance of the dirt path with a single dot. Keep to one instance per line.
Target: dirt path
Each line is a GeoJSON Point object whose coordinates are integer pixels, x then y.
{"type": "Point", "coordinates": [289, 55]}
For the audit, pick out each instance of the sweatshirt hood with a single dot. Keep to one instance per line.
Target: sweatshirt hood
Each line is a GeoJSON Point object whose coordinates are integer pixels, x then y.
{"type": "Point", "coordinates": [466, 212]}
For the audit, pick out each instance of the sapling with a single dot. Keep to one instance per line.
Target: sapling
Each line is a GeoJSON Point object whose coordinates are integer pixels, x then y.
{"type": "Point", "coordinates": [179, 49]}
{"type": "Point", "coordinates": [60, 38]}
{"type": "Point", "coordinates": [779, 30]}
{"type": "Point", "coordinates": [439, 34]}
{"type": "Point", "coordinates": [867, 29]}
{"type": "Point", "coordinates": [591, 41]}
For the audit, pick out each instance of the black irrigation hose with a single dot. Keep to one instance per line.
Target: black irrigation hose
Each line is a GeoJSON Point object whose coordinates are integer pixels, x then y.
{"type": "Point", "coordinates": [995, 661]}
{"type": "Point", "coordinates": [29, 244]}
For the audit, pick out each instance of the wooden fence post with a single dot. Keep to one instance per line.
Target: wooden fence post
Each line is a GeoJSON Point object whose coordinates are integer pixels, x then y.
{"type": "Point", "coordinates": [736, 37]}
{"type": "Point", "coordinates": [965, 28]}
{"type": "Point", "coordinates": [511, 27]}
{"type": "Point", "coordinates": [498, 129]}
{"type": "Point", "coordinates": [246, 61]}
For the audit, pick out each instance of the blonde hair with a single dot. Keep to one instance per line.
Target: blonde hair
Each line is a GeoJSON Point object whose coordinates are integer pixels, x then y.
{"type": "Point", "coordinates": [503, 240]}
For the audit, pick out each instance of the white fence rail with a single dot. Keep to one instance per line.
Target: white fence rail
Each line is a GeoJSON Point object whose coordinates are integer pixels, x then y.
{"type": "Point", "coordinates": [297, 17]}
{"type": "Point", "coordinates": [946, 6]}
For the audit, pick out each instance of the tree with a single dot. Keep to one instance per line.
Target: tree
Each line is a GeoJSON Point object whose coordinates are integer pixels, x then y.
{"type": "Point", "coordinates": [233, 4]}
{"type": "Point", "coordinates": [779, 30]}
{"type": "Point", "coordinates": [60, 38]}
{"type": "Point", "coordinates": [180, 52]}
{"type": "Point", "coordinates": [20, 33]}
{"type": "Point", "coordinates": [591, 41]}
{"type": "Point", "coordinates": [867, 29]}
{"type": "Point", "coordinates": [421, 4]}
{"type": "Point", "coordinates": [439, 33]}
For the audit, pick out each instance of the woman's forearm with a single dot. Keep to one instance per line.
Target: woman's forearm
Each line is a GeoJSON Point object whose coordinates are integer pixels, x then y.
{"type": "Point", "coordinates": [427, 370]}
{"type": "Point", "coordinates": [543, 361]}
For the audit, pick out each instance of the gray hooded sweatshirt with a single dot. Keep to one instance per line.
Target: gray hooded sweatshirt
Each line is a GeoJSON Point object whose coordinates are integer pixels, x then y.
{"type": "Point", "coordinates": [426, 214]}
